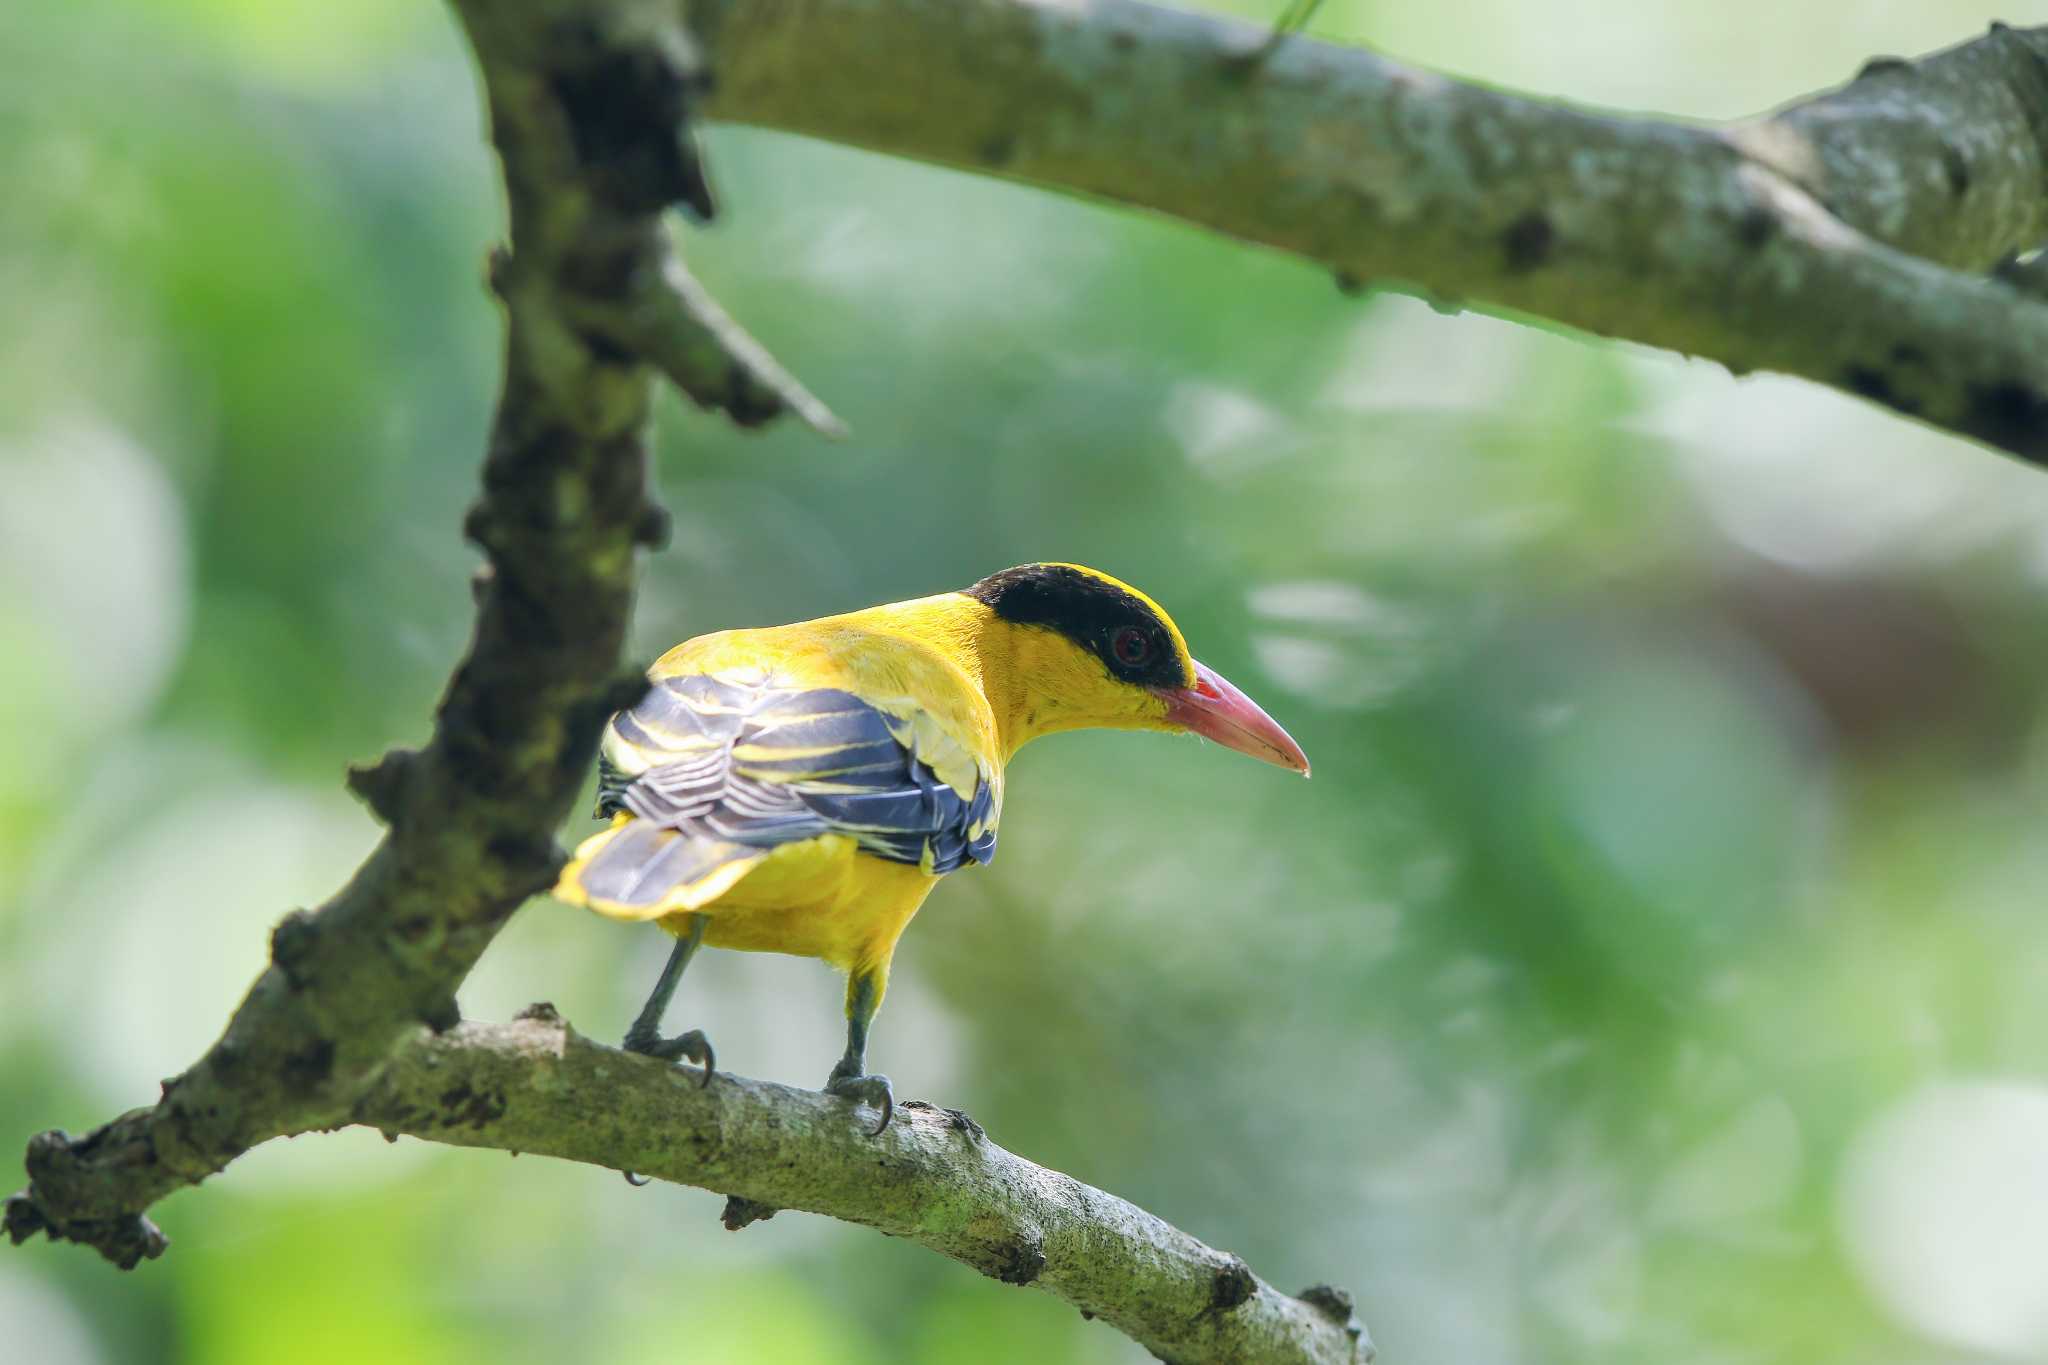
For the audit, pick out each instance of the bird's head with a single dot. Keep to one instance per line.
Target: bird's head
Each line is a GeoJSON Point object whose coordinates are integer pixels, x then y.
{"type": "Point", "coordinates": [1085, 650]}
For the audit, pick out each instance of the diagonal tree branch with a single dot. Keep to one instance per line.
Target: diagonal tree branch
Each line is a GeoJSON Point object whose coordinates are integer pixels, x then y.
{"type": "Point", "coordinates": [355, 1019]}
{"type": "Point", "coordinates": [588, 114]}
{"type": "Point", "coordinates": [932, 1177]}
{"type": "Point", "coordinates": [1843, 239]}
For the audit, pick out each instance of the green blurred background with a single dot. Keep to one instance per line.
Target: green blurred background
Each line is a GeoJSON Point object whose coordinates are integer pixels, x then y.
{"type": "Point", "coordinates": [1655, 968]}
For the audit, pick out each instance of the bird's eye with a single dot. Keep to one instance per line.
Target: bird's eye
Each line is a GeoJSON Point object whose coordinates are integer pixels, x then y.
{"type": "Point", "coordinates": [1131, 646]}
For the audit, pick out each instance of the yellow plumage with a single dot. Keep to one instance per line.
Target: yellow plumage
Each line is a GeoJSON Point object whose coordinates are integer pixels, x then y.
{"type": "Point", "coordinates": [800, 789]}
{"type": "Point", "coordinates": [819, 897]}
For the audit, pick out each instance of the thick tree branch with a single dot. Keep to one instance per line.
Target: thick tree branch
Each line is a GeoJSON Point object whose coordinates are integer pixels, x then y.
{"type": "Point", "coordinates": [587, 111]}
{"type": "Point", "coordinates": [1843, 239]}
{"type": "Point", "coordinates": [932, 1177]}
{"type": "Point", "coordinates": [355, 1020]}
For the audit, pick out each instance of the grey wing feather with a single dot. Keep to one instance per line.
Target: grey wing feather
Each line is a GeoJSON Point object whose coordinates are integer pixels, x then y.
{"type": "Point", "coordinates": [761, 766]}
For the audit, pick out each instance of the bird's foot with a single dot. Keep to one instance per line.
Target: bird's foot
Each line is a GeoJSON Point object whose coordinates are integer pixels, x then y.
{"type": "Point", "coordinates": [692, 1046]}
{"type": "Point", "coordinates": [865, 1090]}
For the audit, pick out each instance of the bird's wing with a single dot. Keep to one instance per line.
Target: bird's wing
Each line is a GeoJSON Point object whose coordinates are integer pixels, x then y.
{"type": "Point", "coordinates": [735, 760]}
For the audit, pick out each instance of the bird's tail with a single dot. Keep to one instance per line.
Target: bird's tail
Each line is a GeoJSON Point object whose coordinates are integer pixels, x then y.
{"type": "Point", "coordinates": [639, 871]}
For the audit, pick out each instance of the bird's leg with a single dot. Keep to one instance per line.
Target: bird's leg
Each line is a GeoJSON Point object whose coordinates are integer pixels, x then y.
{"type": "Point", "coordinates": [849, 1078]}
{"type": "Point", "coordinates": [645, 1035]}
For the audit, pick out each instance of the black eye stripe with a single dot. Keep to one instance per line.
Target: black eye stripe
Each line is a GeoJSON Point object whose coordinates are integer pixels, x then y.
{"type": "Point", "coordinates": [1091, 612]}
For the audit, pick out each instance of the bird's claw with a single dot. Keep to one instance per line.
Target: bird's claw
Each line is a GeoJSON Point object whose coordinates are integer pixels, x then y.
{"type": "Point", "coordinates": [692, 1046]}
{"type": "Point", "coordinates": [866, 1090]}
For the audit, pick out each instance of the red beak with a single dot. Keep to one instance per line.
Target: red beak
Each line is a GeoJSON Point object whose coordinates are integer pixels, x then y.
{"type": "Point", "coordinates": [1215, 710]}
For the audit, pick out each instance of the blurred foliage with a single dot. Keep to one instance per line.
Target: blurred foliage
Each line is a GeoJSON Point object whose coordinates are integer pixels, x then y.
{"type": "Point", "coordinates": [1652, 970]}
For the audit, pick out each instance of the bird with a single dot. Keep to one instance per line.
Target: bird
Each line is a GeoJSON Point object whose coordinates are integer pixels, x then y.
{"type": "Point", "coordinates": [802, 788]}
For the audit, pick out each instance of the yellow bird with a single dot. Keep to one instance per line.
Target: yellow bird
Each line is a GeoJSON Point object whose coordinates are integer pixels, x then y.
{"type": "Point", "coordinates": [800, 789]}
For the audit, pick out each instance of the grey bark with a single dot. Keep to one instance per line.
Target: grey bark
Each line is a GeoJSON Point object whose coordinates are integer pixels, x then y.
{"type": "Point", "coordinates": [355, 1020]}
{"type": "Point", "coordinates": [932, 1177]}
{"type": "Point", "coordinates": [1845, 239]}
{"type": "Point", "coordinates": [588, 120]}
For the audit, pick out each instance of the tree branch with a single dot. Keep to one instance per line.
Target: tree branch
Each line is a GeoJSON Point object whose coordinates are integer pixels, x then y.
{"type": "Point", "coordinates": [587, 110]}
{"type": "Point", "coordinates": [931, 1177]}
{"type": "Point", "coordinates": [1835, 240]}
{"type": "Point", "coordinates": [1843, 239]}
{"type": "Point", "coordinates": [355, 1019]}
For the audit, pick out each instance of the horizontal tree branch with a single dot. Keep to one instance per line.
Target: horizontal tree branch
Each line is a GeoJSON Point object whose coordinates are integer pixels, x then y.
{"type": "Point", "coordinates": [1843, 239]}
{"type": "Point", "coordinates": [355, 1019]}
{"type": "Point", "coordinates": [932, 1177]}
